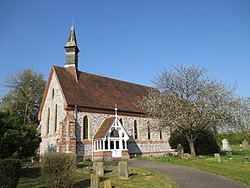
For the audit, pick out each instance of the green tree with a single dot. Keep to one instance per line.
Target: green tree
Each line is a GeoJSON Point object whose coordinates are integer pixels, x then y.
{"type": "Point", "coordinates": [16, 140]}
{"type": "Point", "coordinates": [186, 99]}
{"type": "Point", "coordinates": [25, 95]}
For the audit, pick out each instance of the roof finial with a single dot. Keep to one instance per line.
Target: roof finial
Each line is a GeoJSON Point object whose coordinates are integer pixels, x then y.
{"type": "Point", "coordinates": [115, 111]}
{"type": "Point", "coordinates": [73, 22]}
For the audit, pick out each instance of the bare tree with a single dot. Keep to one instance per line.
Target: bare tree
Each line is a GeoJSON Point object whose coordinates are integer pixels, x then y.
{"type": "Point", "coordinates": [187, 100]}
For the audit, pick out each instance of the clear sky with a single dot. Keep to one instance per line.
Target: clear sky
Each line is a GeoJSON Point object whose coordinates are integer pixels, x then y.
{"type": "Point", "coordinates": [128, 39]}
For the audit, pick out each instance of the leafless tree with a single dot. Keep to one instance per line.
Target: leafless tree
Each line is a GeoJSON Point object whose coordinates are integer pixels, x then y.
{"type": "Point", "coordinates": [186, 99]}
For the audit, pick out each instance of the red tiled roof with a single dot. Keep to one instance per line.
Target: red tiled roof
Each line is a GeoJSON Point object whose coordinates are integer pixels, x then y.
{"type": "Point", "coordinates": [93, 91]}
{"type": "Point", "coordinates": [103, 129]}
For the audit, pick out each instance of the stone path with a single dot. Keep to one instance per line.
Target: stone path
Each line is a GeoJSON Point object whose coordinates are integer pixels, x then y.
{"type": "Point", "coordinates": [186, 177]}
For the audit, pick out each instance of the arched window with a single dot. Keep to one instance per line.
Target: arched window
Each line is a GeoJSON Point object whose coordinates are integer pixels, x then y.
{"type": "Point", "coordinates": [114, 133]}
{"type": "Point", "coordinates": [53, 94]}
{"type": "Point", "coordinates": [85, 128]}
{"type": "Point", "coordinates": [149, 134]}
{"type": "Point", "coordinates": [149, 131]}
{"type": "Point", "coordinates": [135, 130]}
{"type": "Point", "coordinates": [47, 123]}
{"type": "Point", "coordinates": [55, 119]}
{"type": "Point", "coordinates": [160, 134]}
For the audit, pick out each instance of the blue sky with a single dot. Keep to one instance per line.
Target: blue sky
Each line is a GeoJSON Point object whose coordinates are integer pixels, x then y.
{"type": "Point", "coordinates": [128, 40]}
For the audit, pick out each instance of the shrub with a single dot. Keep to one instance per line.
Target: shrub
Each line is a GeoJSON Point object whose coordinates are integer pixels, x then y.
{"type": "Point", "coordinates": [58, 169]}
{"type": "Point", "coordinates": [9, 173]}
{"type": "Point", "coordinates": [204, 144]}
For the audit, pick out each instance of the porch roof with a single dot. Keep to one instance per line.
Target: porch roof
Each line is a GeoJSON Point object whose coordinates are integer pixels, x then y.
{"type": "Point", "coordinates": [103, 129]}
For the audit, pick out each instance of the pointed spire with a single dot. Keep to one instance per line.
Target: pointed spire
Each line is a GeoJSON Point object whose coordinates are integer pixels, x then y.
{"type": "Point", "coordinates": [72, 38]}
{"type": "Point", "coordinates": [71, 50]}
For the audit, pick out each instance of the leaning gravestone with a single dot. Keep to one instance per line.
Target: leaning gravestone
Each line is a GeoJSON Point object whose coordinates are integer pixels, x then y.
{"type": "Point", "coordinates": [217, 157]}
{"type": "Point", "coordinates": [245, 144]}
{"type": "Point", "coordinates": [225, 146]}
{"type": "Point", "coordinates": [95, 181]}
{"type": "Point", "coordinates": [123, 169]}
{"type": "Point", "coordinates": [98, 168]}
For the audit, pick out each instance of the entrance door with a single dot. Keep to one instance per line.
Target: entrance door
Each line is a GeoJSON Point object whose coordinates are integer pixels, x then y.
{"type": "Point", "coordinates": [115, 149]}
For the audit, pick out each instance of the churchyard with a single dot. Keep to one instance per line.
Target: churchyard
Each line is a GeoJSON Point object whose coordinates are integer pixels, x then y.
{"type": "Point", "coordinates": [30, 177]}
{"type": "Point", "coordinates": [234, 165]}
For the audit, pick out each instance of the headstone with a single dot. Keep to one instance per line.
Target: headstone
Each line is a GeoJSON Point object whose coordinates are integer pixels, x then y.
{"type": "Point", "coordinates": [98, 168]}
{"type": "Point", "coordinates": [95, 181]}
{"type": "Point", "coordinates": [179, 149]}
{"type": "Point", "coordinates": [123, 169]}
{"type": "Point", "coordinates": [107, 184]}
{"type": "Point", "coordinates": [217, 157]}
{"type": "Point", "coordinates": [225, 146]}
{"type": "Point", "coordinates": [186, 156]}
{"type": "Point", "coordinates": [245, 144]}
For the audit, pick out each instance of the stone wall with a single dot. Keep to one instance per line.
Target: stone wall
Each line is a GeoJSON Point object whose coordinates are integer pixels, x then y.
{"type": "Point", "coordinates": [141, 146]}
{"type": "Point", "coordinates": [54, 97]}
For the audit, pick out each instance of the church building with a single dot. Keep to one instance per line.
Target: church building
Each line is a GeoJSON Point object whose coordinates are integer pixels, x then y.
{"type": "Point", "coordinates": [94, 116]}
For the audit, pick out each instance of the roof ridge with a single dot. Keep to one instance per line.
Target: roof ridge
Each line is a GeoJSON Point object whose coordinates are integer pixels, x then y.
{"type": "Point", "coordinates": [101, 76]}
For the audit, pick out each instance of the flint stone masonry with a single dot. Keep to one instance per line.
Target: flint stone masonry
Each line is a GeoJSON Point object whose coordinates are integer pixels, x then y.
{"type": "Point", "coordinates": [225, 146]}
{"type": "Point", "coordinates": [49, 140]}
{"type": "Point", "coordinates": [245, 144]}
{"type": "Point", "coordinates": [140, 147]}
{"type": "Point", "coordinates": [123, 169]}
{"type": "Point", "coordinates": [98, 168]}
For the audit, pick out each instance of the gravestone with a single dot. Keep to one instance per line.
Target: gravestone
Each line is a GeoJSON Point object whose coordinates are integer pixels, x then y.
{"type": "Point", "coordinates": [217, 157]}
{"type": "Point", "coordinates": [245, 144]}
{"type": "Point", "coordinates": [186, 156]}
{"type": "Point", "coordinates": [225, 146]}
{"type": "Point", "coordinates": [107, 184]}
{"type": "Point", "coordinates": [95, 181]}
{"type": "Point", "coordinates": [179, 149]}
{"type": "Point", "coordinates": [123, 169]}
{"type": "Point", "coordinates": [98, 168]}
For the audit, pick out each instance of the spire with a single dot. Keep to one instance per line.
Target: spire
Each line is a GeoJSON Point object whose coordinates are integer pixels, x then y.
{"type": "Point", "coordinates": [72, 50]}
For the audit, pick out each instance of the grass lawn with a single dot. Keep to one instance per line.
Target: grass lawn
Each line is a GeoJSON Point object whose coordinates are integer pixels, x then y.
{"type": "Point", "coordinates": [30, 177]}
{"type": "Point", "coordinates": [235, 166]}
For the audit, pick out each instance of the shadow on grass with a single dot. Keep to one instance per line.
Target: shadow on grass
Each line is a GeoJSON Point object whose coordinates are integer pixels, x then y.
{"type": "Point", "coordinates": [86, 182]}
{"type": "Point", "coordinates": [83, 183]}
{"type": "Point", "coordinates": [30, 172]}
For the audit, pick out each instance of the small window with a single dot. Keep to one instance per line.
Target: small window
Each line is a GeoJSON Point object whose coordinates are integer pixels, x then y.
{"type": "Point", "coordinates": [121, 121]}
{"type": "Point", "coordinates": [160, 134]}
{"type": "Point", "coordinates": [85, 128]}
{"type": "Point", "coordinates": [47, 123]}
{"type": "Point", "coordinates": [149, 132]}
{"type": "Point", "coordinates": [55, 119]}
{"type": "Point", "coordinates": [111, 144]}
{"type": "Point", "coordinates": [123, 144]}
{"type": "Point", "coordinates": [135, 130]}
{"type": "Point", "coordinates": [114, 133]}
{"type": "Point", "coordinates": [53, 94]}
{"type": "Point", "coordinates": [106, 144]}
{"type": "Point", "coordinates": [117, 145]}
